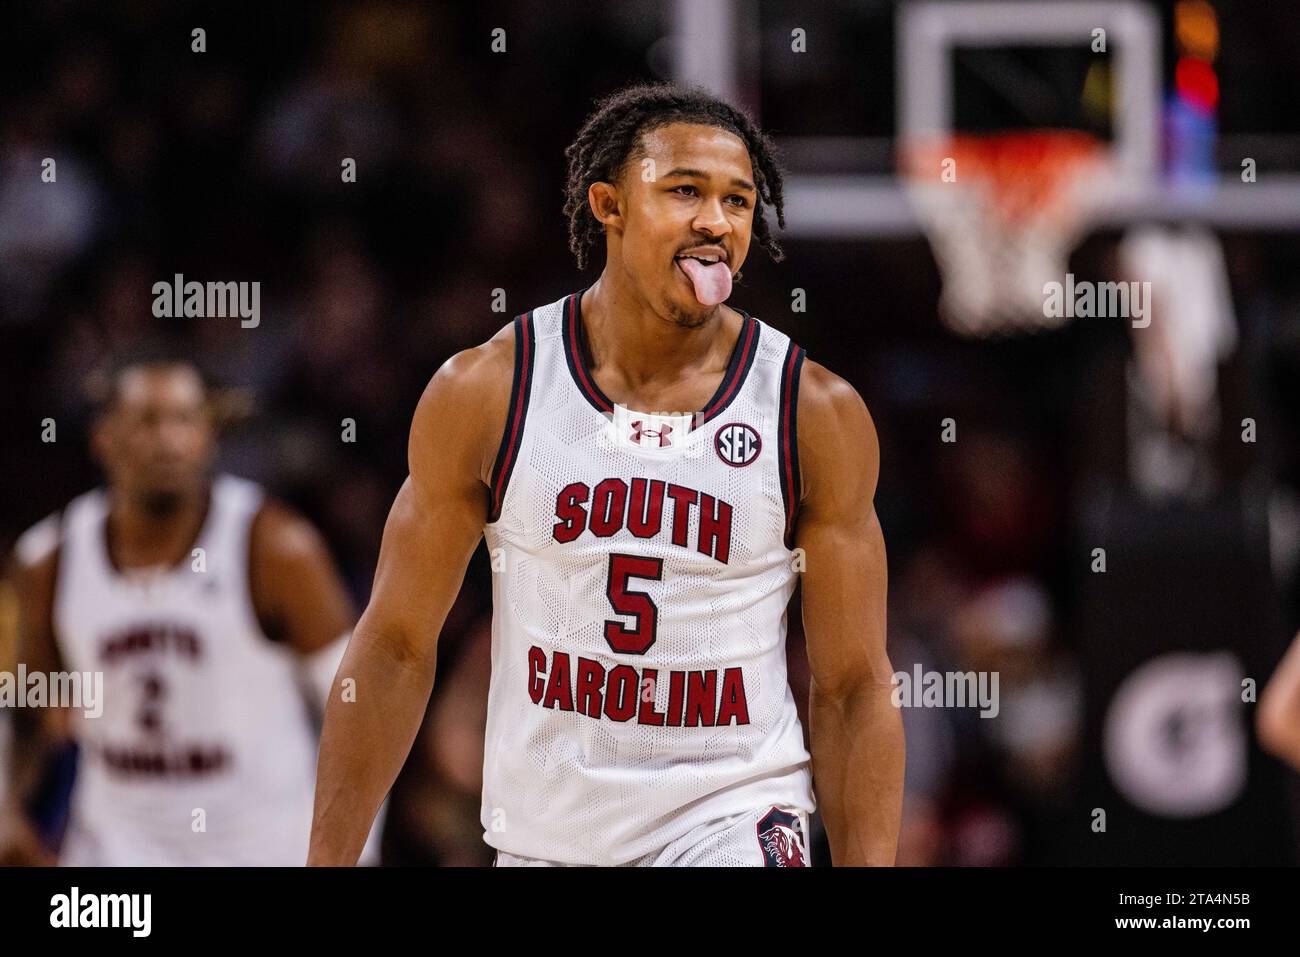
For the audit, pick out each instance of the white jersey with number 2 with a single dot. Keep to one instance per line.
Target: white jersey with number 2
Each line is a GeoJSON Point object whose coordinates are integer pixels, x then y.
{"type": "Point", "coordinates": [203, 751]}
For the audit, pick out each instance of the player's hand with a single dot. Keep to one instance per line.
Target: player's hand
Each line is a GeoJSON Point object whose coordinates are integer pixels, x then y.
{"type": "Point", "coordinates": [20, 845]}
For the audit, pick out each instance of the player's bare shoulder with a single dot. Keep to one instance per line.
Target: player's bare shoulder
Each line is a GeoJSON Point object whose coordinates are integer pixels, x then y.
{"type": "Point", "coordinates": [33, 571]}
{"type": "Point", "coordinates": [33, 564]}
{"type": "Point", "coordinates": [280, 533]}
{"type": "Point", "coordinates": [282, 544]}
{"type": "Point", "coordinates": [838, 446]}
{"type": "Point", "coordinates": [463, 409]}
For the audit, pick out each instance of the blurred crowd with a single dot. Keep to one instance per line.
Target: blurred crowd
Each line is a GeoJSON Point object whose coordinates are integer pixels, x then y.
{"type": "Point", "coordinates": [225, 165]}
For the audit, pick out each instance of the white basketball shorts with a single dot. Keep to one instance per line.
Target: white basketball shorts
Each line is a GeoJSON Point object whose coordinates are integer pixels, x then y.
{"type": "Point", "coordinates": [770, 837]}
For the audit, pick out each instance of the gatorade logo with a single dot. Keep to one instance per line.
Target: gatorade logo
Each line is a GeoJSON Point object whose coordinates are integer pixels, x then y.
{"type": "Point", "coordinates": [1175, 743]}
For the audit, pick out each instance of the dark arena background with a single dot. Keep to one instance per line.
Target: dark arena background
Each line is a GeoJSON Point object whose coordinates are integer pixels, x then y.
{"type": "Point", "coordinates": [1101, 510]}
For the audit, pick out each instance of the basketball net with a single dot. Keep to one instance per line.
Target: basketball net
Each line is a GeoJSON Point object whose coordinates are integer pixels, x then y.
{"type": "Point", "coordinates": [1002, 213]}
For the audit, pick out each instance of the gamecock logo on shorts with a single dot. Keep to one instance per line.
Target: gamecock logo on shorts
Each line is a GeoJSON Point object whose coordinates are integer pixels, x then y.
{"type": "Point", "coordinates": [780, 837]}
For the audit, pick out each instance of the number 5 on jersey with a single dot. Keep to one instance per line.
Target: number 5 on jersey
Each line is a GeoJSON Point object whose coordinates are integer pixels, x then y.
{"type": "Point", "coordinates": [638, 604]}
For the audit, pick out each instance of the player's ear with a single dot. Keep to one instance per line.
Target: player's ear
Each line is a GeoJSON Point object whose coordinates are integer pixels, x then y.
{"type": "Point", "coordinates": [228, 407]}
{"type": "Point", "coordinates": [606, 203]}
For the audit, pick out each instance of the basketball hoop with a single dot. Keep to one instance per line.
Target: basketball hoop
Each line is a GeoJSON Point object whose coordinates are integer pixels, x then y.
{"type": "Point", "coordinates": [1002, 212]}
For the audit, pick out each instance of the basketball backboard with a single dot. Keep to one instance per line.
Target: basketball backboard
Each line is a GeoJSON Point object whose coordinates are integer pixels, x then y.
{"type": "Point", "coordinates": [843, 85]}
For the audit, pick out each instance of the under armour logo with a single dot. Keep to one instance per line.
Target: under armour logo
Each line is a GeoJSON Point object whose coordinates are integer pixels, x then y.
{"type": "Point", "coordinates": [660, 434]}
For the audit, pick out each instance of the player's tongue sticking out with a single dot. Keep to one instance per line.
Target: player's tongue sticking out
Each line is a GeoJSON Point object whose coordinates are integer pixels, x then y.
{"type": "Point", "coordinates": [712, 282]}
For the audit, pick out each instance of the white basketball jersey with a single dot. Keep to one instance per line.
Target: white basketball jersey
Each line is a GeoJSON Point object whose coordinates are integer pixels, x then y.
{"type": "Point", "coordinates": [205, 751]}
{"type": "Point", "coordinates": [642, 568]}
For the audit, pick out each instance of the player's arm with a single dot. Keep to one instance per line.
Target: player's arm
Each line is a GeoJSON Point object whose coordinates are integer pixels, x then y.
{"type": "Point", "coordinates": [432, 531]}
{"type": "Point", "coordinates": [299, 595]}
{"type": "Point", "coordinates": [1277, 719]}
{"type": "Point", "coordinates": [36, 731]}
{"type": "Point", "coordinates": [856, 732]}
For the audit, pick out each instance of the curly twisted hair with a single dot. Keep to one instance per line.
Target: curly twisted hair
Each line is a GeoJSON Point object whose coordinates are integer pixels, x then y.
{"type": "Point", "coordinates": [611, 136]}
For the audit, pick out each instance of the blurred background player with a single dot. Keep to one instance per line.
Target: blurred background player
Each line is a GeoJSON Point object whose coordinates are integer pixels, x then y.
{"type": "Point", "coordinates": [216, 617]}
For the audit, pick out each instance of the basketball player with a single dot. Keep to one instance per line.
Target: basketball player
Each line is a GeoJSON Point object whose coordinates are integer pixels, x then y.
{"type": "Point", "coordinates": [639, 711]}
{"type": "Point", "coordinates": [209, 610]}
{"type": "Point", "coordinates": [1277, 720]}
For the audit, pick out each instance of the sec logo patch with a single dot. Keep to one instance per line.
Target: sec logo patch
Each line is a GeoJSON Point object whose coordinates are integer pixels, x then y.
{"type": "Point", "coordinates": [737, 444]}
